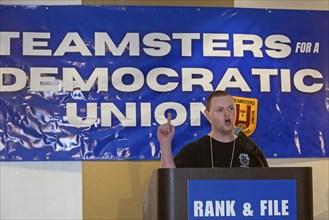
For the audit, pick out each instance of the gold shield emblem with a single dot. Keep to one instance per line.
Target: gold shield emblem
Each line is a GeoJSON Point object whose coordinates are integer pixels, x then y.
{"type": "Point", "coordinates": [246, 114]}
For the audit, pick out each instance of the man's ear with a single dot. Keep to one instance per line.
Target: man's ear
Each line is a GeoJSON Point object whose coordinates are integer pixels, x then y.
{"type": "Point", "coordinates": [206, 113]}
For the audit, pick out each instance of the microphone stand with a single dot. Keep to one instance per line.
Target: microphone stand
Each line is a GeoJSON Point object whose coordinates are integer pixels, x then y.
{"type": "Point", "coordinates": [251, 147]}
{"type": "Point", "coordinates": [257, 152]}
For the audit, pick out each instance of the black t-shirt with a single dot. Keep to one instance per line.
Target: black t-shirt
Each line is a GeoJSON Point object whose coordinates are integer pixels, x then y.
{"type": "Point", "coordinates": [198, 154]}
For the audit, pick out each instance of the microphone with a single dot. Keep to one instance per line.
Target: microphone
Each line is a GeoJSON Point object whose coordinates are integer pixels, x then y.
{"type": "Point", "coordinates": [251, 146]}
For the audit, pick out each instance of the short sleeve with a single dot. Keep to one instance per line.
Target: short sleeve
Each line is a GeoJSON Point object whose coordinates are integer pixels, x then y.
{"type": "Point", "coordinates": [186, 157]}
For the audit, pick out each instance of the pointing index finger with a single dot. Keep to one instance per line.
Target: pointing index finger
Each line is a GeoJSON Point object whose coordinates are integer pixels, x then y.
{"type": "Point", "coordinates": [169, 118]}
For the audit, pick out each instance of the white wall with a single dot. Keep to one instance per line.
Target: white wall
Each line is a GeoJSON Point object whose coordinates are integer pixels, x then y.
{"type": "Point", "coordinates": [40, 190]}
{"type": "Point", "coordinates": [286, 4]}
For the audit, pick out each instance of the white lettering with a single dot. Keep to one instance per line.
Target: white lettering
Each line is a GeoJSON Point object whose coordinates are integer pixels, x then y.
{"type": "Point", "coordinates": [220, 208]}
{"type": "Point", "coordinates": [130, 44]}
{"type": "Point", "coordinates": [274, 208]}
{"type": "Point", "coordinates": [196, 112]}
{"type": "Point", "coordinates": [216, 208]}
{"type": "Point", "coordinates": [263, 207]}
{"type": "Point", "coordinates": [213, 43]}
{"type": "Point", "coordinates": [127, 121]}
{"type": "Point", "coordinates": [153, 75]}
{"type": "Point", "coordinates": [233, 79]}
{"type": "Point", "coordinates": [157, 43]}
{"type": "Point", "coordinates": [265, 77]}
{"type": "Point", "coordinates": [6, 75]}
{"type": "Point", "coordinates": [209, 209]}
{"type": "Point", "coordinates": [316, 48]}
{"type": "Point", "coordinates": [42, 81]}
{"type": "Point", "coordinates": [230, 208]}
{"type": "Point", "coordinates": [186, 42]}
{"type": "Point", "coordinates": [72, 79]}
{"type": "Point", "coordinates": [30, 44]}
{"type": "Point", "coordinates": [299, 80]}
{"type": "Point", "coordinates": [5, 42]}
{"type": "Point", "coordinates": [285, 80]}
{"type": "Point", "coordinates": [198, 209]}
{"type": "Point", "coordinates": [247, 42]}
{"type": "Point", "coordinates": [146, 114]}
{"type": "Point", "coordinates": [161, 79]}
{"type": "Point", "coordinates": [129, 118]}
{"type": "Point", "coordinates": [72, 43]}
{"type": "Point", "coordinates": [181, 113]}
{"type": "Point", "coordinates": [279, 46]}
{"type": "Point", "coordinates": [285, 207]}
{"type": "Point", "coordinates": [204, 80]}
{"type": "Point", "coordinates": [137, 81]}
{"type": "Point", "coordinates": [77, 121]}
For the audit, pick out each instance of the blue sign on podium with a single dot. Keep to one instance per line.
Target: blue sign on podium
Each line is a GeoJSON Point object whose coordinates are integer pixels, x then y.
{"type": "Point", "coordinates": [242, 199]}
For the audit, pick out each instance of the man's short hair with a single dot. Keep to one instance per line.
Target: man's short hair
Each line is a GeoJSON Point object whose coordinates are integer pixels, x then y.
{"type": "Point", "coordinates": [217, 93]}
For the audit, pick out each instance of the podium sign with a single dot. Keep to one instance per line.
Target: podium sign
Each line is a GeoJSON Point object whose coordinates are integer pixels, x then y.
{"type": "Point", "coordinates": [230, 193]}
{"type": "Point", "coordinates": [242, 199]}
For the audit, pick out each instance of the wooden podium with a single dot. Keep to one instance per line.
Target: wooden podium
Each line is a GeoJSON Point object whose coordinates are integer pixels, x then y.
{"type": "Point", "coordinates": [169, 190]}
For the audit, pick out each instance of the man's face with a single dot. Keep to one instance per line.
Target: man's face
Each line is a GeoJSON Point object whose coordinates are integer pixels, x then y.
{"type": "Point", "coordinates": [222, 114]}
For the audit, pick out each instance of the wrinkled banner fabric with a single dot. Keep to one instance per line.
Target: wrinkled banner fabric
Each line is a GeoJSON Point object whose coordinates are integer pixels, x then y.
{"type": "Point", "coordinates": [94, 82]}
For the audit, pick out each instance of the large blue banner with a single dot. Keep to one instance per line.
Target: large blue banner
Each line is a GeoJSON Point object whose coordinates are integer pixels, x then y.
{"type": "Point", "coordinates": [94, 82]}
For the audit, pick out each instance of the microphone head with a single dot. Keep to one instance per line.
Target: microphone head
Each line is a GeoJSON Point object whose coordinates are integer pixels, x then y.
{"type": "Point", "coordinates": [237, 130]}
